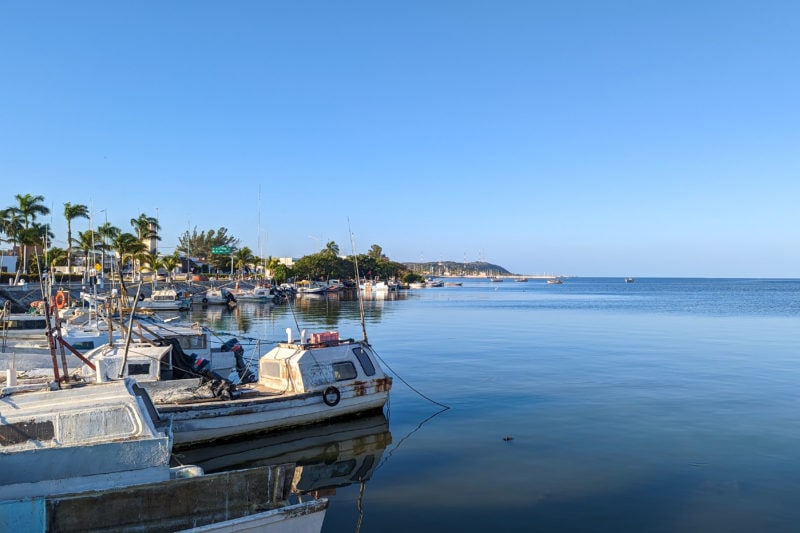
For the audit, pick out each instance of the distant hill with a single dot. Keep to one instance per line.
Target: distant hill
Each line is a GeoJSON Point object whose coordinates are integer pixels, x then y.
{"type": "Point", "coordinates": [454, 268]}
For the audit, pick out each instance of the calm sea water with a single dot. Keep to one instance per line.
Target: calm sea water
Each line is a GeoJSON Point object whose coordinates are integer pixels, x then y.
{"type": "Point", "coordinates": [659, 405]}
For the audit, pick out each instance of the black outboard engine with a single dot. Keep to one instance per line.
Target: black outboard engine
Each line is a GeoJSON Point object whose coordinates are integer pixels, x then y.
{"type": "Point", "coordinates": [245, 374]}
{"type": "Point", "coordinates": [219, 386]}
{"type": "Point", "coordinates": [230, 299]}
{"type": "Point", "coordinates": [190, 365]}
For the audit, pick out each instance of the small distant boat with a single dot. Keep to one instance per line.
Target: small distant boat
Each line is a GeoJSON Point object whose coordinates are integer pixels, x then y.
{"type": "Point", "coordinates": [416, 285]}
{"type": "Point", "coordinates": [216, 296]}
{"type": "Point", "coordinates": [453, 283]}
{"type": "Point", "coordinates": [554, 281]}
{"type": "Point", "coordinates": [628, 280]}
{"type": "Point", "coordinates": [256, 294]}
{"type": "Point", "coordinates": [495, 279]}
{"type": "Point", "coordinates": [312, 288]}
{"type": "Point", "coordinates": [166, 300]}
{"type": "Point", "coordinates": [521, 280]}
{"type": "Point", "coordinates": [334, 285]}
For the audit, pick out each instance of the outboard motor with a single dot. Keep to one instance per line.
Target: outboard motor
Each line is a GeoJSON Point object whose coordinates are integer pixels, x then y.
{"type": "Point", "coordinates": [230, 299]}
{"type": "Point", "coordinates": [241, 367]}
{"type": "Point", "coordinates": [219, 386]}
{"type": "Point", "coordinates": [190, 365]}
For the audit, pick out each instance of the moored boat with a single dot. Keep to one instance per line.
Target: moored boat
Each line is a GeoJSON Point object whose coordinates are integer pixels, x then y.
{"type": "Point", "coordinates": [165, 300]}
{"type": "Point", "coordinates": [84, 438]}
{"type": "Point", "coordinates": [300, 382]}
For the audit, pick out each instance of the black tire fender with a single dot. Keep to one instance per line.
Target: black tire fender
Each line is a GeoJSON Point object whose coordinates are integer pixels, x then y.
{"type": "Point", "coordinates": [205, 300]}
{"type": "Point", "coordinates": [331, 396]}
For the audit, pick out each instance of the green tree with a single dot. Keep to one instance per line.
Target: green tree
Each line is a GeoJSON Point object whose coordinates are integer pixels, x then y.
{"type": "Point", "coordinates": [376, 252]}
{"type": "Point", "coordinates": [56, 256]}
{"type": "Point", "coordinates": [147, 229]}
{"type": "Point", "coordinates": [242, 258]}
{"type": "Point", "coordinates": [331, 249]}
{"type": "Point", "coordinates": [87, 242]}
{"type": "Point", "coordinates": [28, 207]}
{"type": "Point", "coordinates": [127, 246]}
{"type": "Point", "coordinates": [170, 263]}
{"type": "Point", "coordinates": [281, 273]}
{"type": "Point", "coordinates": [106, 234]}
{"type": "Point", "coordinates": [199, 245]}
{"type": "Point", "coordinates": [11, 225]}
{"type": "Point", "coordinates": [71, 212]}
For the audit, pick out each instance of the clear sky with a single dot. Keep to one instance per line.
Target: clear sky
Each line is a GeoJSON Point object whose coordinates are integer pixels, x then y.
{"type": "Point", "coordinates": [607, 138]}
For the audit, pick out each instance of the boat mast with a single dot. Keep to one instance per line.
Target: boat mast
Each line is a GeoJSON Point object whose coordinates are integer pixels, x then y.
{"type": "Point", "coordinates": [358, 282]}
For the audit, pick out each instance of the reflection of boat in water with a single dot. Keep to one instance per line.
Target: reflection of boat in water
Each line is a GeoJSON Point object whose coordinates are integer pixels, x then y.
{"type": "Point", "coordinates": [326, 455]}
{"type": "Point", "coordinates": [249, 485]}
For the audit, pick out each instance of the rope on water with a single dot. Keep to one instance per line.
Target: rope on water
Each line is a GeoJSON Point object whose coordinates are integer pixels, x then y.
{"type": "Point", "coordinates": [407, 384]}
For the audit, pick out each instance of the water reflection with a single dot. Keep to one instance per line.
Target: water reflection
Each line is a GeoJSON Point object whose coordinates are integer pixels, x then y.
{"type": "Point", "coordinates": [242, 478]}
{"type": "Point", "coordinates": [326, 455]}
{"type": "Point", "coordinates": [266, 321]}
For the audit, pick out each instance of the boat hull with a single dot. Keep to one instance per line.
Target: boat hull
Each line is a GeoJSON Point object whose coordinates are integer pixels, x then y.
{"type": "Point", "coordinates": [203, 422]}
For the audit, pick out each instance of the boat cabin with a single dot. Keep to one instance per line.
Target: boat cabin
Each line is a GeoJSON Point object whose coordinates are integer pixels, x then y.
{"type": "Point", "coordinates": [323, 361]}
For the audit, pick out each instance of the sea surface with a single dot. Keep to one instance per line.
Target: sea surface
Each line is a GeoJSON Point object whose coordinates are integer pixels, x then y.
{"type": "Point", "coordinates": [596, 405]}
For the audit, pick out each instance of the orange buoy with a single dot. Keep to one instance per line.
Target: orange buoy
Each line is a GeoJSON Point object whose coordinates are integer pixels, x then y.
{"type": "Point", "coordinates": [61, 300]}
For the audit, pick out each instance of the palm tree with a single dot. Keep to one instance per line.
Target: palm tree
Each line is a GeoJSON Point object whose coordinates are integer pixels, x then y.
{"type": "Point", "coordinates": [242, 257]}
{"type": "Point", "coordinates": [107, 232]}
{"type": "Point", "coordinates": [127, 245]}
{"type": "Point", "coordinates": [146, 229]}
{"type": "Point", "coordinates": [71, 212]}
{"type": "Point", "coordinates": [36, 235]}
{"type": "Point", "coordinates": [11, 226]}
{"type": "Point", "coordinates": [56, 255]}
{"type": "Point", "coordinates": [28, 207]}
{"type": "Point", "coordinates": [332, 249]}
{"type": "Point", "coordinates": [170, 263]}
{"type": "Point", "coordinates": [87, 242]}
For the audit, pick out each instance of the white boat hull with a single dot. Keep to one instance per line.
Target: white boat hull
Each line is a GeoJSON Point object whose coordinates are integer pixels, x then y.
{"type": "Point", "coordinates": [213, 420]}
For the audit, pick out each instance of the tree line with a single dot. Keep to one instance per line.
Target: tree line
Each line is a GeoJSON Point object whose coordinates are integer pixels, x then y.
{"type": "Point", "coordinates": [21, 227]}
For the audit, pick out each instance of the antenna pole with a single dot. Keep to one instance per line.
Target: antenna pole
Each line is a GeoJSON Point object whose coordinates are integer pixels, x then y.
{"type": "Point", "coordinates": [358, 283]}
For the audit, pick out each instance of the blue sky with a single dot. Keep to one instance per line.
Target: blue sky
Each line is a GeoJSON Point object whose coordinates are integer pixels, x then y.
{"type": "Point", "coordinates": [581, 138]}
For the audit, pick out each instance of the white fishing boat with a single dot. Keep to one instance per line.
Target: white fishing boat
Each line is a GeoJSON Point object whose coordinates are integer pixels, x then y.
{"type": "Point", "coordinates": [215, 296]}
{"type": "Point", "coordinates": [554, 281]}
{"type": "Point", "coordinates": [299, 382]}
{"type": "Point", "coordinates": [378, 286]}
{"type": "Point", "coordinates": [149, 335]}
{"type": "Point", "coordinates": [256, 294]}
{"type": "Point", "coordinates": [85, 438]}
{"type": "Point", "coordinates": [334, 285]}
{"type": "Point", "coordinates": [166, 300]}
{"type": "Point", "coordinates": [313, 287]}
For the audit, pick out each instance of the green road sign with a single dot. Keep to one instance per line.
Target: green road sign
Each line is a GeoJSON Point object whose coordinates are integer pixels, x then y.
{"type": "Point", "coordinates": [221, 250]}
